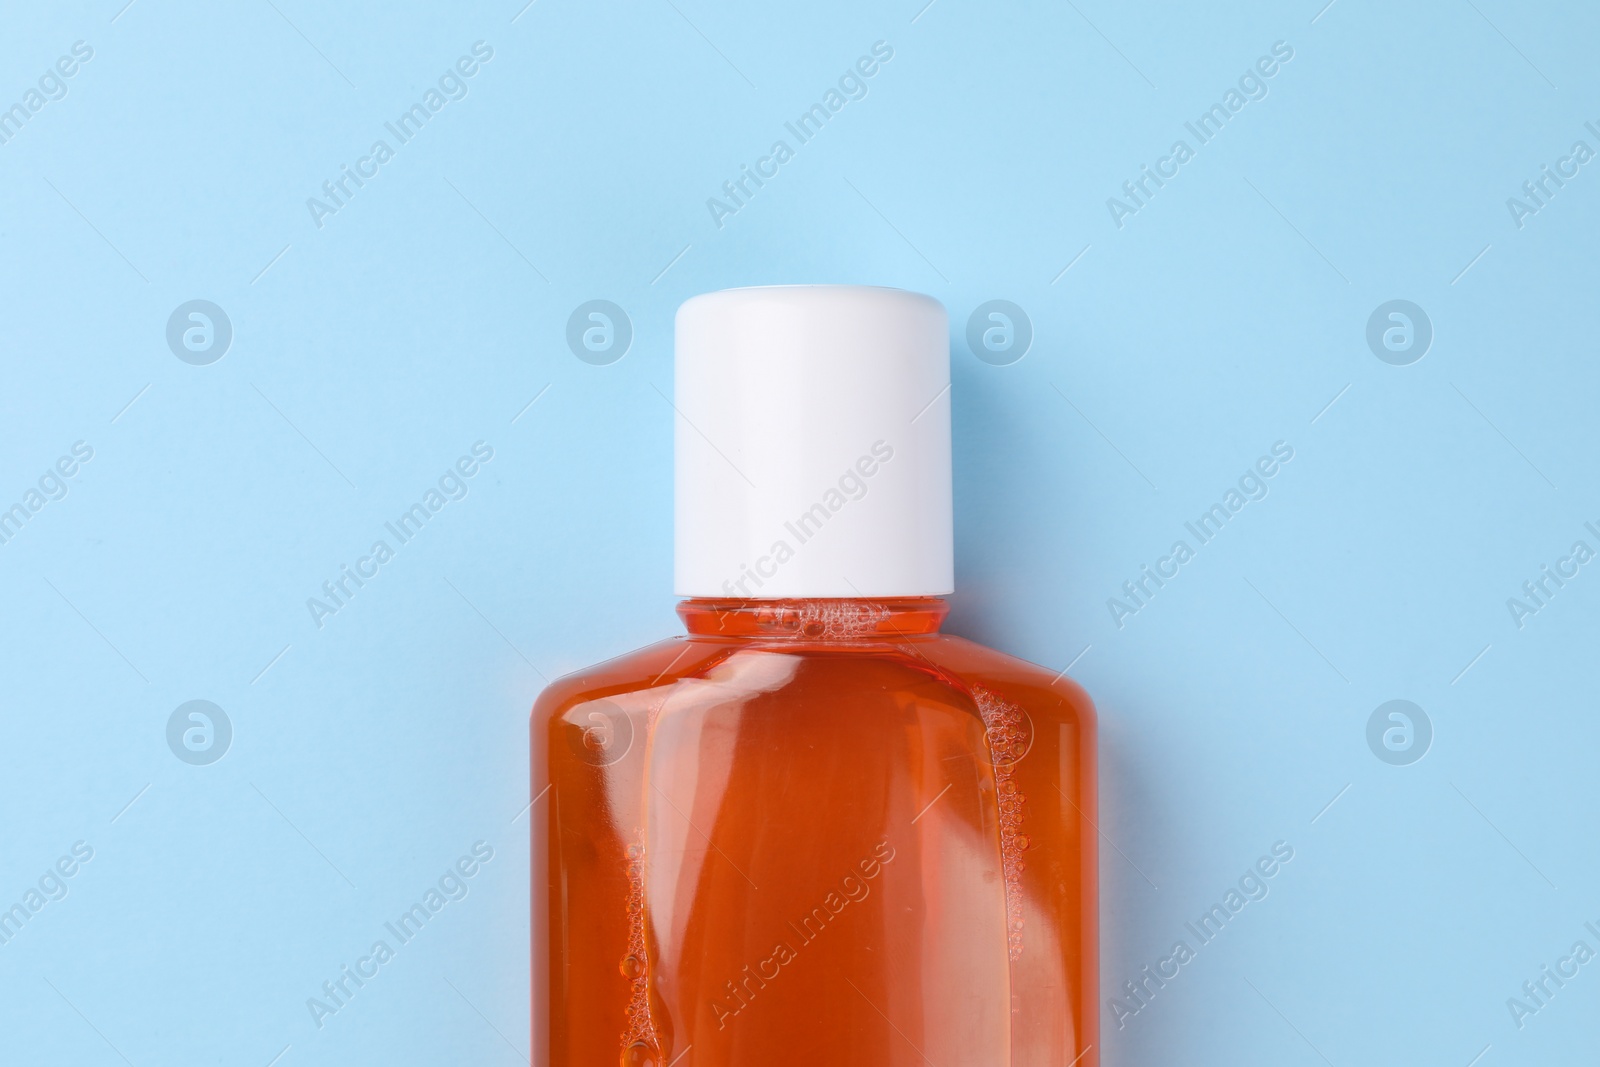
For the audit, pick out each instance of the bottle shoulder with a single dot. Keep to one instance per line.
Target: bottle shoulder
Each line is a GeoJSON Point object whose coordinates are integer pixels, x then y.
{"type": "Point", "coordinates": [660, 663]}
{"type": "Point", "coordinates": [945, 659]}
{"type": "Point", "coordinates": [1037, 688]}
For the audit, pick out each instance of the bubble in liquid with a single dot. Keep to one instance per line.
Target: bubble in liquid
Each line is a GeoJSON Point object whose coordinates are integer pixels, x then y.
{"type": "Point", "coordinates": [1008, 742]}
{"type": "Point", "coordinates": [640, 1054]}
{"type": "Point", "coordinates": [639, 1039]}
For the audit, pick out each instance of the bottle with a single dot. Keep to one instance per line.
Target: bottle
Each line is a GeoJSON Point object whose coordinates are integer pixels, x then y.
{"type": "Point", "coordinates": [814, 830]}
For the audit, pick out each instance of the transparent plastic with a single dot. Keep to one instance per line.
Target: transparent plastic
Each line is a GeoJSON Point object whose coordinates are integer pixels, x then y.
{"type": "Point", "coordinates": [814, 832]}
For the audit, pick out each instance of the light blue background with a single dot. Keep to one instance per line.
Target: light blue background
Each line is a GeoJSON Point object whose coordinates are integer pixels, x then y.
{"type": "Point", "coordinates": [370, 353]}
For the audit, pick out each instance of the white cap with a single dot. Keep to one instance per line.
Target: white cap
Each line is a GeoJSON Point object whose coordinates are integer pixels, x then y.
{"type": "Point", "coordinates": [813, 444]}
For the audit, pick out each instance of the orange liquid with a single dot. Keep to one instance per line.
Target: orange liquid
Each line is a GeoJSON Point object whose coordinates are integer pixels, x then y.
{"type": "Point", "coordinates": [814, 833]}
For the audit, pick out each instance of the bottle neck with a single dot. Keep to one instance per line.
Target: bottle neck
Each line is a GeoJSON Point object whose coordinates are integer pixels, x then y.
{"type": "Point", "coordinates": [814, 620]}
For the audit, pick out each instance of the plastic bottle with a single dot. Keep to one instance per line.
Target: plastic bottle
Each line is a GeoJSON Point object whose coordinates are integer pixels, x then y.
{"type": "Point", "coordinates": [814, 830]}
